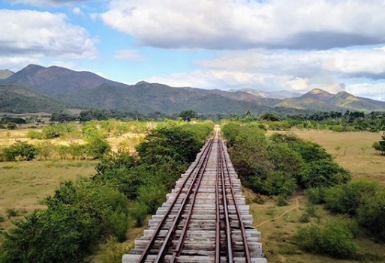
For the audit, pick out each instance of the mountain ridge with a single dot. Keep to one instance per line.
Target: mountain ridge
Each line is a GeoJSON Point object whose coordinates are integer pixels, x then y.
{"type": "Point", "coordinates": [321, 100]}
{"type": "Point", "coordinates": [84, 89]}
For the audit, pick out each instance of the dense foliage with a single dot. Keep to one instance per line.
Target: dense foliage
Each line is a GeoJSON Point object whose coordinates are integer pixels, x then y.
{"type": "Point", "coordinates": [335, 238]}
{"type": "Point", "coordinates": [19, 151]}
{"type": "Point", "coordinates": [78, 215]}
{"type": "Point", "coordinates": [280, 164]}
{"type": "Point", "coordinates": [362, 200]}
{"type": "Point", "coordinates": [335, 121]}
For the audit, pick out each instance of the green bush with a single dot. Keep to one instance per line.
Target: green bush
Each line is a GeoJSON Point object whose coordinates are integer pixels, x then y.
{"type": "Point", "coordinates": [371, 214]}
{"type": "Point", "coordinates": [113, 251]}
{"type": "Point", "coordinates": [35, 135]}
{"type": "Point", "coordinates": [58, 235]}
{"type": "Point", "coordinates": [139, 213]}
{"type": "Point", "coordinates": [45, 150]}
{"type": "Point", "coordinates": [324, 172]}
{"type": "Point", "coordinates": [2, 218]}
{"type": "Point", "coordinates": [21, 150]}
{"type": "Point", "coordinates": [97, 147]}
{"type": "Point", "coordinates": [282, 201]}
{"type": "Point", "coordinates": [316, 195]}
{"type": "Point", "coordinates": [178, 144]}
{"type": "Point", "coordinates": [349, 197]}
{"type": "Point", "coordinates": [334, 238]}
{"type": "Point", "coordinates": [152, 196]}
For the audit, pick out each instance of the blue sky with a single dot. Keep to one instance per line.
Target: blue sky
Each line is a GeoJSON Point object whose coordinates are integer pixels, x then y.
{"type": "Point", "coordinates": [228, 44]}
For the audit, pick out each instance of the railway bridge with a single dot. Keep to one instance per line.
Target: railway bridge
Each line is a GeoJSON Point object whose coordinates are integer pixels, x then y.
{"type": "Point", "coordinates": [205, 218]}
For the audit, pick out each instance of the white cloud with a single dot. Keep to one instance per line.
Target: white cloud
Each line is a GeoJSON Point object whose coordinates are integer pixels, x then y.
{"type": "Point", "coordinates": [283, 69]}
{"type": "Point", "coordinates": [47, 2]}
{"type": "Point", "coordinates": [372, 90]}
{"type": "Point", "coordinates": [77, 11]}
{"type": "Point", "coordinates": [27, 33]}
{"type": "Point", "coordinates": [243, 24]}
{"type": "Point", "coordinates": [128, 54]}
{"type": "Point", "coordinates": [15, 63]}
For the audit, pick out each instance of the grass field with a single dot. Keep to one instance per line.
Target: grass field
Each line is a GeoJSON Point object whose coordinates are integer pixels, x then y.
{"type": "Point", "coordinates": [277, 224]}
{"type": "Point", "coordinates": [24, 184]}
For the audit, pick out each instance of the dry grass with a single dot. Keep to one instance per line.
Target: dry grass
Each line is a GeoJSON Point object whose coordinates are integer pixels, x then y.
{"type": "Point", "coordinates": [351, 150]}
{"type": "Point", "coordinates": [25, 184]}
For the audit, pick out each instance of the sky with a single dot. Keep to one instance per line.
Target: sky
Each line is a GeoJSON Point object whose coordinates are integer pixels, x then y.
{"type": "Point", "coordinates": [269, 45]}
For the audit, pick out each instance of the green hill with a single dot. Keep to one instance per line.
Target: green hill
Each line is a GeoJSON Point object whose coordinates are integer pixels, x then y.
{"type": "Point", "coordinates": [320, 100]}
{"type": "Point", "coordinates": [18, 99]}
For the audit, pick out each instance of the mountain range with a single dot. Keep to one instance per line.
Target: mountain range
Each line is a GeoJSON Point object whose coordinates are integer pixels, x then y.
{"type": "Point", "coordinates": [5, 73]}
{"type": "Point", "coordinates": [52, 89]}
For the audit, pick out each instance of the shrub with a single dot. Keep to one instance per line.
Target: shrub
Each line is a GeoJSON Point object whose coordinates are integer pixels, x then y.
{"type": "Point", "coordinates": [11, 126]}
{"type": "Point", "coordinates": [11, 212]}
{"type": "Point", "coordinates": [178, 144]}
{"type": "Point", "coordinates": [316, 195]}
{"type": "Point", "coordinates": [48, 236]}
{"type": "Point", "coordinates": [45, 150]}
{"type": "Point", "coordinates": [113, 251]}
{"type": "Point", "coordinates": [2, 218]}
{"type": "Point", "coordinates": [97, 147]}
{"type": "Point", "coordinates": [348, 198]}
{"type": "Point", "coordinates": [152, 196]}
{"type": "Point", "coordinates": [324, 173]}
{"type": "Point", "coordinates": [334, 238]}
{"type": "Point", "coordinates": [282, 200]}
{"type": "Point", "coordinates": [371, 214]}
{"type": "Point", "coordinates": [21, 150]}
{"type": "Point", "coordinates": [35, 135]}
{"type": "Point", "coordinates": [78, 151]}
{"type": "Point", "coordinates": [138, 213]}
{"type": "Point", "coordinates": [304, 218]}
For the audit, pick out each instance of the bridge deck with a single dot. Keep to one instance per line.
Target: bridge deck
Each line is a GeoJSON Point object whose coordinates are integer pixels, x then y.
{"type": "Point", "coordinates": [205, 218]}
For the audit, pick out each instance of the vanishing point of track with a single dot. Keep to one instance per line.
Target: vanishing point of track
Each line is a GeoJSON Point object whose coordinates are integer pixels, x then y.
{"type": "Point", "coordinates": [204, 219]}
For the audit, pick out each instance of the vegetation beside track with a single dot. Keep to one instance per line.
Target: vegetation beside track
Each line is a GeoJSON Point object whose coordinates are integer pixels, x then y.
{"type": "Point", "coordinates": [125, 188]}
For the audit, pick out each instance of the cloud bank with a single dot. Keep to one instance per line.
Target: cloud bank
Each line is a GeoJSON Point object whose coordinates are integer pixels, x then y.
{"type": "Point", "coordinates": [244, 24]}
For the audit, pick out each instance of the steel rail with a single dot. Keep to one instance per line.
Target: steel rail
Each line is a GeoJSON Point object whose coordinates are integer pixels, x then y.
{"type": "Point", "coordinates": [242, 226]}
{"type": "Point", "coordinates": [225, 208]}
{"type": "Point", "coordinates": [187, 223]}
{"type": "Point", "coordinates": [199, 163]}
{"type": "Point", "coordinates": [177, 218]}
{"type": "Point", "coordinates": [217, 214]}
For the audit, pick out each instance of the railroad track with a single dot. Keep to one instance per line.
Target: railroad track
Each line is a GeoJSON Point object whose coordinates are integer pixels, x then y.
{"type": "Point", "coordinates": [204, 219]}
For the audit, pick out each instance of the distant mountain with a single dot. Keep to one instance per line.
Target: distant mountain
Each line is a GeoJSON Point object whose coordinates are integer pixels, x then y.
{"type": "Point", "coordinates": [281, 94]}
{"type": "Point", "coordinates": [18, 99]}
{"type": "Point", "coordinates": [58, 82]}
{"type": "Point", "coordinates": [5, 73]}
{"type": "Point", "coordinates": [88, 90]}
{"type": "Point", "coordinates": [320, 100]}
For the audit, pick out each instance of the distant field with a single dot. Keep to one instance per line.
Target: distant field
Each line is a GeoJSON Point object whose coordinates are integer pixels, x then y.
{"type": "Point", "coordinates": [24, 184]}
{"type": "Point", "coordinates": [351, 150]}
{"type": "Point", "coordinates": [128, 140]}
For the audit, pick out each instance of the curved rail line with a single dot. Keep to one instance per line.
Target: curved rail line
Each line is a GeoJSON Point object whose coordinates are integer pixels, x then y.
{"type": "Point", "coordinates": [205, 218]}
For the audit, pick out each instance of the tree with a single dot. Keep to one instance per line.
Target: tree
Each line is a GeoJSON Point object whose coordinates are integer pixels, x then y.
{"type": "Point", "coordinates": [188, 115]}
{"type": "Point", "coordinates": [380, 146]}
{"type": "Point", "coordinates": [11, 126]}
{"type": "Point", "coordinates": [270, 117]}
